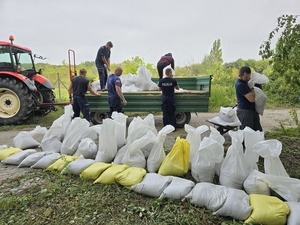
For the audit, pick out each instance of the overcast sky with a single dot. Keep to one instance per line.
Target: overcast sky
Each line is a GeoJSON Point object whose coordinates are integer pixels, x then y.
{"type": "Point", "coordinates": [143, 28]}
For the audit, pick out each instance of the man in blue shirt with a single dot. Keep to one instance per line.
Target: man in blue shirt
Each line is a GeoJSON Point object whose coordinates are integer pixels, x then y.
{"type": "Point", "coordinates": [168, 85]}
{"type": "Point", "coordinates": [103, 63]}
{"type": "Point", "coordinates": [115, 95]}
{"type": "Point", "coordinates": [246, 101]}
{"type": "Point", "coordinates": [78, 89]}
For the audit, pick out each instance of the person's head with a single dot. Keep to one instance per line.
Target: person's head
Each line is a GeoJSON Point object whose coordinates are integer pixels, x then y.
{"type": "Point", "coordinates": [168, 54]}
{"type": "Point", "coordinates": [168, 72]}
{"type": "Point", "coordinates": [245, 73]}
{"type": "Point", "coordinates": [109, 45]}
{"type": "Point", "coordinates": [82, 72]}
{"type": "Point", "coordinates": [118, 71]}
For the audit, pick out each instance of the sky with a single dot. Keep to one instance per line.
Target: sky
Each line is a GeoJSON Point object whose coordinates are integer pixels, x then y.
{"type": "Point", "coordinates": [144, 28]}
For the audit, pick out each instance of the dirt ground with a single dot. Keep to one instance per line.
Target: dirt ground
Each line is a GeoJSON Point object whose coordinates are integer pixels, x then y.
{"type": "Point", "coordinates": [271, 119]}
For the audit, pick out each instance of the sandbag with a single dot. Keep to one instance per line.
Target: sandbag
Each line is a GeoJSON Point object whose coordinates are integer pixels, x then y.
{"type": "Point", "coordinates": [254, 184]}
{"type": "Point", "coordinates": [203, 167]}
{"type": "Point", "coordinates": [77, 166]}
{"type": "Point", "coordinates": [3, 147]}
{"type": "Point", "coordinates": [134, 156]}
{"type": "Point", "coordinates": [108, 176]}
{"type": "Point", "coordinates": [234, 169]}
{"type": "Point", "coordinates": [152, 185]}
{"type": "Point", "coordinates": [177, 161]}
{"type": "Point", "coordinates": [270, 151]}
{"type": "Point", "coordinates": [17, 158]}
{"type": "Point", "coordinates": [236, 205]}
{"type": "Point", "coordinates": [87, 148]}
{"type": "Point", "coordinates": [177, 189]}
{"type": "Point", "coordinates": [120, 154]}
{"type": "Point", "coordinates": [260, 100]}
{"type": "Point", "coordinates": [267, 210]}
{"type": "Point", "coordinates": [94, 170]}
{"type": "Point", "coordinates": [46, 161]}
{"type": "Point", "coordinates": [32, 159]}
{"type": "Point", "coordinates": [75, 131]}
{"type": "Point", "coordinates": [61, 163]}
{"type": "Point", "coordinates": [157, 153]}
{"type": "Point", "coordinates": [194, 137]}
{"type": "Point", "coordinates": [107, 148]}
{"type": "Point", "coordinates": [294, 216]}
{"type": "Point", "coordinates": [215, 134]}
{"type": "Point", "coordinates": [51, 144]}
{"type": "Point", "coordinates": [120, 127]}
{"type": "Point", "coordinates": [251, 137]}
{"type": "Point", "coordinates": [130, 176]}
{"type": "Point", "coordinates": [6, 152]}
{"type": "Point", "coordinates": [93, 132]}
{"type": "Point", "coordinates": [25, 140]}
{"type": "Point", "coordinates": [208, 195]}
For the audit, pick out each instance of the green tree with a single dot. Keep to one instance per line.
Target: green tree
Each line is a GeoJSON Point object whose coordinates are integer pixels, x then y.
{"type": "Point", "coordinates": [284, 58]}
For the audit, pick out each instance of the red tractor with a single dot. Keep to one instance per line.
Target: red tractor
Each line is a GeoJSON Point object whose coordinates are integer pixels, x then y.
{"type": "Point", "coordinates": [23, 91]}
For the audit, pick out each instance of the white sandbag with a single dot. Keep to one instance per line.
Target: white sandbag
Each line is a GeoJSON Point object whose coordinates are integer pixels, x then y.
{"type": "Point", "coordinates": [32, 159]}
{"type": "Point", "coordinates": [134, 156]}
{"type": "Point", "coordinates": [228, 114]}
{"type": "Point", "coordinates": [254, 184]}
{"type": "Point", "coordinates": [260, 100]}
{"type": "Point", "coordinates": [208, 195]}
{"type": "Point", "coordinates": [3, 147]}
{"type": "Point", "coordinates": [270, 151]}
{"type": "Point", "coordinates": [120, 127]}
{"type": "Point", "coordinates": [178, 188]}
{"type": "Point", "coordinates": [234, 169]}
{"type": "Point", "coordinates": [144, 81]}
{"type": "Point", "coordinates": [46, 161]}
{"type": "Point", "coordinates": [96, 85]}
{"type": "Point", "coordinates": [18, 157]}
{"type": "Point", "coordinates": [87, 148]}
{"type": "Point", "coordinates": [194, 139]}
{"type": "Point", "coordinates": [120, 154]}
{"type": "Point", "coordinates": [77, 166]}
{"type": "Point", "coordinates": [108, 148]}
{"type": "Point", "coordinates": [157, 153]}
{"type": "Point", "coordinates": [152, 185]}
{"type": "Point", "coordinates": [294, 216]}
{"type": "Point", "coordinates": [236, 205]}
{"type": "Point", "coordinates": [67, 119]}
{"type": "Point", "coordinates": [203, 167]}
{"type": "Point", "coordinates": [251, 137]}
{"type": "Point", "coordinates": [288, 188]}
{"type": "Point", "coordinates": [149, 122]}
{"type": "Point", "coordinates": [76, 129]}
{"type": "Point", "coordinates": [25, 140]}
{"type": "Point", "coordinates": [215, 134]}
{"type": "Point", "coordinates": [258, 78]}
{"type": "Point", "coordinates": [93, 132]}
{"type": "Point", "coordinates": [51, 144]}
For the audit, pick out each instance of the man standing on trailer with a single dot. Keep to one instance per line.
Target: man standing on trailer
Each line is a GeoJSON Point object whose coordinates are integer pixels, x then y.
{"type": "Point", "coordinates": [103, 63]}
{"type": "Point", "coordinates": [164, 61]}
{"type": "Point", "coordinates": [77, 91]}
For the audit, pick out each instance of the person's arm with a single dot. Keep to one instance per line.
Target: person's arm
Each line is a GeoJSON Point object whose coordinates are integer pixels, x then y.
{"type": "Point", "coordinates": [177, 87]}
{"type": "Point", "coordinates": [173, 64]}
{"type": "Point", "coordinates": [250, 96]}
{"type": "Point", "coordinates": [106, 62]}
{"type": "Point", "coordinates": [119, 92]}
{"type": "Point", "coordinates": [92, 90]}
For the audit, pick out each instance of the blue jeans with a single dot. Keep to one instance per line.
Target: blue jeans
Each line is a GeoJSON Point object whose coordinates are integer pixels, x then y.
{"type": "Point", "coordinates": [80, 104]}
{"type": "Point", "coordinates": [102, 76]}
{"type": "Point", "coordinates": [115, 104]}
{"type": "Point", "coordinates": [168, 108]}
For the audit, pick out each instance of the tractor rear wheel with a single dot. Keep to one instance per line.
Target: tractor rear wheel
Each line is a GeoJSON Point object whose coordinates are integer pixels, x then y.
{"type": "Point", "coordinates": [16, 102]}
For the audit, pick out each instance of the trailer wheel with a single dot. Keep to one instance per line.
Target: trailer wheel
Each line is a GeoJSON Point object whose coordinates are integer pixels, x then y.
{"type": "Point", "coordinates": [182, 118]}
{"type": "Point", "coordinates": [16, 101]}
{"type": "Point", "coordinates": [98, 117]}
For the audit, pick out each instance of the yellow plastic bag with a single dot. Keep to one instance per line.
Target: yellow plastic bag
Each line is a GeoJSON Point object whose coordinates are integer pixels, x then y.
{"type": "Point", "coordinates": [6, 152]}
{"type": "Point", "coordinates": [267, 210]}
{"type": "Point", "coordinates": [177, 161]}
{"type": "Point", "coordinates": [108, 176]}
{"type": "Point", "coordinates": [62, 162]}
{"type": "Point", "coordinates": [94, 170]}
{"type": "Point", "coordinates": [131, 176]}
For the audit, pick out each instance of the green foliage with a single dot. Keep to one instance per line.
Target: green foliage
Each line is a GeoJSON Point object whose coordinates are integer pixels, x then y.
{"type": "Point", "coordinates": [284, 58]}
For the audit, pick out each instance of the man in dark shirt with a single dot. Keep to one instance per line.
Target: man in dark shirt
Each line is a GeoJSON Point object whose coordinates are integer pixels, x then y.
{"type": "Point", "coordinates": [115, 95]}
{"type": "Point", "coordinates": [164, 61]}
{"type": "Point", "coordinates": [168, 85]}
{"type": "Point", "coordinates": [246, 101]}
{"type": "Point", "coordinates": [78, 88]}
{"type": "Point", "coordinates": [103, 63]}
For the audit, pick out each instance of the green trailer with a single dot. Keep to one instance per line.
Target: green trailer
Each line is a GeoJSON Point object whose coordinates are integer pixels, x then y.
{"type": "Point", "coordinates": [194, 98]}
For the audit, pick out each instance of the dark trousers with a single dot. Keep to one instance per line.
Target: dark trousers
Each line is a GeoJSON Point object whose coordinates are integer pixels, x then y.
{"type": "Point", "coordinates": [102, 76]}
{"type": "Point", "coordinates": [249, 118]}
{"type": "Point", "coordinates": [160, 70]}
{"type": "Point", "coordinates": [80, 104]}
{"type": "Point", "coordinates": [168, 108]}
{"type": "Point", "coordinates": [115, 104]}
